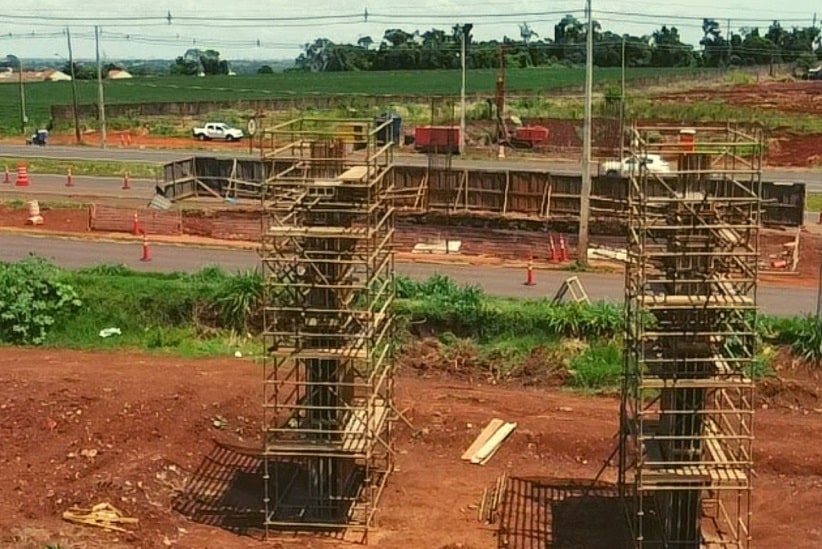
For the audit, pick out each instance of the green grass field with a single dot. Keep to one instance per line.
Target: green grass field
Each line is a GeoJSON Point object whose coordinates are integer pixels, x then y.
{"type": "Point", "coordinates": [814, 202]}
{"type": "Point", "coordinates": [41, 95]}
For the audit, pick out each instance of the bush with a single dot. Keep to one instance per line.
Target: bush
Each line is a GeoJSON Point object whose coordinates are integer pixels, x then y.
{"type": "Point", "coordinates": [32, 298]}
{"type": "Point", "coordinates": [443, 305]}
{"type": "Point", "coordinates": [598, 367]}
{"type": "Point", "coordinates": [237, 301]}
{"type": "Point", "coordinates": [807, 339]}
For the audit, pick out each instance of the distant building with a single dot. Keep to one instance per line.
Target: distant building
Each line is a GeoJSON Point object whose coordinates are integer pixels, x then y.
{"type": "Point", "coordinates": [118, 74]}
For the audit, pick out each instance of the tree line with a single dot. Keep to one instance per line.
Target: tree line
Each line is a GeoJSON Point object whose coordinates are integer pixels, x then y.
{"type": "Point", "coordinates": [440, 49]}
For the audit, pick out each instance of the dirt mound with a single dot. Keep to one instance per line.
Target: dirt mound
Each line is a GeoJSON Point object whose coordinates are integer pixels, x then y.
{"type": "Point", "coordinates": [801, 151]}
{"type": "Point", "coordinates": [795, 386]}
{"type": "Point", "coordinates": [461, 359]}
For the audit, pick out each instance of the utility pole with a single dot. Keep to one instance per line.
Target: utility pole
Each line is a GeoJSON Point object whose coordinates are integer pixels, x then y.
{"type": "Point", "coordinates": [462, 90]}
{"type": "Point", "coordinates": [23, 116]}
{"type": "Point", "coordinates": [101, 100]}
{"type": "Point", "coordinates": [73, 88]}
{"type": "Point", "coordinates": [462, 93]}
{"type": "Point", "coordinates": [585, 194]}
{"type": "Point", "coordinates": [622, 106]}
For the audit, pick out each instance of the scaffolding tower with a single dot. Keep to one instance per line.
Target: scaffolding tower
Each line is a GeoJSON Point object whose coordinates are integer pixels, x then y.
{"type": "Point", "coordinates": [686, 417]}
{"type": "Point", "coordinates": [328, 265]}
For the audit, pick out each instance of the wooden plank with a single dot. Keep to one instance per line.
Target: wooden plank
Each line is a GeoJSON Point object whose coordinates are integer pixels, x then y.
{"type": "Point", "coordinates": [483, 437]}
{"type": "Point", "coordinates": [505, 192]}
{"type": "Point", "coordinates": [356, 431]}
{"type": "Point", "coordinates": [357, 173]}
{"type": "Point", "coordinates": [653, 382]}
{"type": "Point", "coordinates": [692, 300]}
{"type": "Point", "coordinates": [490, 448]}
{"type": "Point", "coordinates": [345, 352]}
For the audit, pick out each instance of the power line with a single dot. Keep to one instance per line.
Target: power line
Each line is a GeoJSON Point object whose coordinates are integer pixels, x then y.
{"type": "Point", "coordinates": [657, 16]}
{"type": "Point", "coordinates": [218, 20]}
{"type": "Point", "coordinates": [331, 20]}
{"type": "Point", "coordinates": [440, 48]}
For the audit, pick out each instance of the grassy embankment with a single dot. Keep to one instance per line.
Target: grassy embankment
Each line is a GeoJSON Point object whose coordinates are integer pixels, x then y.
{"type": "Point", "coordinates": [813, 202]}
{"type": "Point", "coordinates": [97, 168]}
{"type": "Point", "coordinates": [444, 326]}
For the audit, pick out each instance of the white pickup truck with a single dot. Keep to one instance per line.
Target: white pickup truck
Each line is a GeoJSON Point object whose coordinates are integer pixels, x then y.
{"type": "Point", "coordinates": [652, 162]}
{"type": "Point", "coordinates": [217, 130]}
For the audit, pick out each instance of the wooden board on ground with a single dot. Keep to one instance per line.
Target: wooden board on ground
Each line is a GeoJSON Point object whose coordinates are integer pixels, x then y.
{"type": "Point", "coordinates": [490, 448]}
{"type": "Point", "coordinates": [483, 437]}
{"type": "Point", "coordinates": [488, 442]}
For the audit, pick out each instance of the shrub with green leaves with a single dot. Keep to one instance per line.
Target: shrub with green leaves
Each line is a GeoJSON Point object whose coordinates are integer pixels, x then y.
{"type": "Point", "coordinates": [237, 300]}
{"type": "Point", "coordinates": [443, 305]}
{"type": "Point", "coordinates": [807, 339]}
{"type": "Point", "coordinates": [599, 367]}
{"type": "Point", "coordinates": [32, 299]}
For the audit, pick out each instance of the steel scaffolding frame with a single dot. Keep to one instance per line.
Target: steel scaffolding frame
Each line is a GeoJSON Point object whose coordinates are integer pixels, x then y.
{"type": "Point", "coordinates": [686, 416]}
{"type": "Point", "coordinates": [329, 286]}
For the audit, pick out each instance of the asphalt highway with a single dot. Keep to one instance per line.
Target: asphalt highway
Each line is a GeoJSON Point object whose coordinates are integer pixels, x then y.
{"type": "Point", "coordinates": [498, 281]}
{"type": "Point", "coordinates": [50, 186]}
{"type": "Point", "coordinates": [813, 179]}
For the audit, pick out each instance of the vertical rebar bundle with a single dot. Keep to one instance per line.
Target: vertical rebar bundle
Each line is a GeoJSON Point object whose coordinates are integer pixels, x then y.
{"type": "Point", "coordinates": [690, 343]}
{"type": "Point", "coordinates": [329, 288]}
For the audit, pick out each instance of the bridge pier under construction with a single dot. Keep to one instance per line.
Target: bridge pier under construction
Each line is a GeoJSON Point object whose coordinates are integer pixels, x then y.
{"type": "Point", "coordinates": [686, 417]}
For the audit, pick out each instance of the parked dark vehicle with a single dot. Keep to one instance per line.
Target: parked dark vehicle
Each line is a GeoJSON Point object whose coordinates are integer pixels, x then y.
{"type": "Point", "coordinates": [38, 138]}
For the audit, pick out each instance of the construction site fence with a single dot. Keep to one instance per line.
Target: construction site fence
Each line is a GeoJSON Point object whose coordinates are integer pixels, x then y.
{"type": "Point", "coordinates": [112, 219]}
{"type": "Point", "coordinates": [535, 195]}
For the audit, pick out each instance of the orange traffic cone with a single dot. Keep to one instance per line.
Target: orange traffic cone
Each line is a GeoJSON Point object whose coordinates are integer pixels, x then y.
{"type": "Point", "coordinates": [553, 250]}
{"type": "Point", "coordinates": [146, 251]}
{"type": "Point", "coordinates": [563, 250]}
{"type": "Point", "coordinates": [529, 273]}
{"type": "Point", "coordinates": [135, 225]}
{"type": "Point", "coordinates": [126, 182]}
{"type": "Point", "coordinates": [22, 176]}
{"type": "Point", "coordinates": [69, 179]}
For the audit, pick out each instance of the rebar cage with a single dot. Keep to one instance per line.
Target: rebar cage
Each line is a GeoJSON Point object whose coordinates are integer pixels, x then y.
{"type": "Point", "coordinates": [328, 263]}
{"type": "Point", "coordinates": [686, 418]}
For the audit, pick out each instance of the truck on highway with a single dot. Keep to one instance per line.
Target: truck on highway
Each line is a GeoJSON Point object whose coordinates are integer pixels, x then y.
{"type": "Point", "coordinates": [628, 165]}
{"type": "Point", "coordinates": [217, 130]}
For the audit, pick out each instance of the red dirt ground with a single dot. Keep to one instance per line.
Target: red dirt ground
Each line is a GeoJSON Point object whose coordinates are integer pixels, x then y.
{"type": "Point", "coordinates": [149, 419]}
{"type": "Point", "coordinates": [797, 97]}
{"type": "Point", "coordinates": [785, 148]}
{"type": "Point", "coordinates": [800, 151]}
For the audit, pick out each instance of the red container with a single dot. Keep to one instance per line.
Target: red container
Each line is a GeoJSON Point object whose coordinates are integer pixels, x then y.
{"type": "Point", "coordinates": [535, 135]}
{"type": "Point", "coordinates": [687, 138]}
{"type": "Point", "coordinates": [437, 139]}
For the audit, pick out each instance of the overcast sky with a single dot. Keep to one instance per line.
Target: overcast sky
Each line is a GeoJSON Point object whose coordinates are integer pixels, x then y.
{"type": "Point", "coordinates": [34, 29]}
